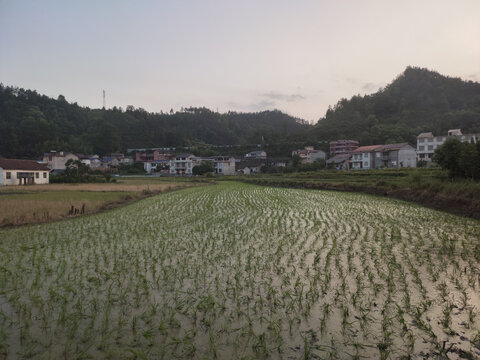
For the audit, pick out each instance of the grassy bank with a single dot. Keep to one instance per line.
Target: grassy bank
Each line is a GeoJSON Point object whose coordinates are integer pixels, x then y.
{"type": "Point", "coordinates": [21, 205]}
{"type": "Point", "coordinates": [429, 187]}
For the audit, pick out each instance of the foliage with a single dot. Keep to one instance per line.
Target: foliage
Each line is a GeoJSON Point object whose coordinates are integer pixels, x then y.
{"type": "Point", "coordinates": [461, 159]}
{"type": "Point", "coordinates": [31, 124]}
{"type": "Point", "coordinates": [417, 101]}
{"type": "Point", "coordinates": [76, 172]}
{"type": "Point", "coordinates": [204, 168]}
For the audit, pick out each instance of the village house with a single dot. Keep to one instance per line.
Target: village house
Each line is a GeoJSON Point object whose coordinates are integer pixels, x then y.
{"type": "Point", "coordinates": [23, 172]}
{"type": "Point", "coordinates": [223, 165]}
{"type": "Point", "coordinates": [399, 155]}
{"type": "Point", "coordinates": [340, 161]}
{"type": "Point", "coordinates": [342, 147]}
{"type": "Point", "coordinates": [364, 157]}
{"type": "Point", "coordinates": [248, 167]}
{"type": "Point", "coordinates": [161, 166]}
{"type": "Point", "coordinates": [309, 155]}
{"type": "Point", "coordinates": [395, 156]}
{"type": "Point", "coordinates": [427, 143]}
{"type": "Point", "coordinates": [56, 161]}
{"type": "Point", "coordinates": [183, 164]}
{"type": "Point", "coordinates": [258, 154]}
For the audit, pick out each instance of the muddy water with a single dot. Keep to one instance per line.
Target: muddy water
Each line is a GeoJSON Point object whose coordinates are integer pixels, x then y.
{"type": "Point", "coordinates": [239, 271]}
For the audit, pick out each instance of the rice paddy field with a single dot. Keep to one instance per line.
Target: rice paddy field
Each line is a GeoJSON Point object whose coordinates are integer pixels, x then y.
{"type": "Point", "coordinates": [239, 271]}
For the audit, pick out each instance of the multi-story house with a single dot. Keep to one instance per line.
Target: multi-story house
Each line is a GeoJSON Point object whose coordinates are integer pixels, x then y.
{"type": "Point", "coordinates": [342, 147]}
{"type": "Point", "coordinates": [309, 154]}
{"type": "Point", "coordinates": [397, 156]}
{"type": "Point", "coordinates": [223, 165]}
{"type": "Point", "coordinates": [364, 157]}
{"type": "Point", "coordinates": [183, 164]}
{"type": "Point", "coordinates": [427, 142]}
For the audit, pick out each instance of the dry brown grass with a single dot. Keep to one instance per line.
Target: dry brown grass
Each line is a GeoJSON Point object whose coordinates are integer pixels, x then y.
{"type": "Point", "coordinates": [43, 203]}
{"type": "Point", "coordinates": [19, 212]}
{"type": "Point", "coordinates": [123, 186]}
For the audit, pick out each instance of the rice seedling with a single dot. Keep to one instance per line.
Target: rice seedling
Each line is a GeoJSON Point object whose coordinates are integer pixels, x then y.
{"type": "Point", "coordinates": [242, 271]}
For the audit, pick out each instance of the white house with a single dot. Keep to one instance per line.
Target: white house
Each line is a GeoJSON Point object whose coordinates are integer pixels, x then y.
{"type": "Point", "coordinates": [23, 172]}
{"type": "Point", "coordinates": [427, 143]}
{"type": "Point", "coordinates": [183, 164]}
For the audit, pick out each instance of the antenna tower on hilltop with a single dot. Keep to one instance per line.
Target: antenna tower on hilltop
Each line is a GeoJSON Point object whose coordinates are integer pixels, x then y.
{"type": "Point", "coordinates": [104, 99]}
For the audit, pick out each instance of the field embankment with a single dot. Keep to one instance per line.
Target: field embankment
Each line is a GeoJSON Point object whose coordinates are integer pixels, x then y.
{"type": "Point", "coordinates": [238, 271]}
{"type": "Point", "coordinates": [21, 205]}
{"type": "Point", "coordinates": [428, 187]}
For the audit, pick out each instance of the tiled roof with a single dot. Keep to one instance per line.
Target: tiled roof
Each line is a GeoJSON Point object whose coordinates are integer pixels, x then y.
{"type": "Point", "coordinates": [339, 158]}
{"type": "Point", "coordinates": [392, 146]}
{"type": "Point", "coordinates": [369, 148]}
{"type": "Point", "coordinates": [17, 164]}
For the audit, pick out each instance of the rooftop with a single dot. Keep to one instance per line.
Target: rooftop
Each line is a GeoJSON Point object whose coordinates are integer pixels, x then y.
{"type": "Point", "coordinates": [18, 164]}
{"type": "Point", "coordinates": [369, 148]}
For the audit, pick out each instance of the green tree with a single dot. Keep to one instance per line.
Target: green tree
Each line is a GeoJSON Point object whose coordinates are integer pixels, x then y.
{"type": "Point", "coordinates": [204, 168]}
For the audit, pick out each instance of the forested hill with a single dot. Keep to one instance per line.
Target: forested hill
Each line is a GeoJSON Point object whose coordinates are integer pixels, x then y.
{"type": "Point", "coordinates": [31, 124]}
{"type": "Point", "coordinates": [418, 100]}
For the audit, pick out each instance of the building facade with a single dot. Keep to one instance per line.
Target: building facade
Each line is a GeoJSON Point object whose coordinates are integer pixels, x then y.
{"type": "Point", "coordinates": [364, 157]}
{"type": "Point", "coordinates": [395, 156]}
{"type": "Point", "coordinates": [401, 155]}
{"type": "Point", "coordinates": [427, 143]}
{"type": "Point", "coordinates": [23, 172]}
{"type": "Point", "coordinates": [309, 154]}
{"type": "Point", "coordinates": [56, 160]}
{"type": "Point", "coordinates": [224, 165]}
{"type": "Point", "coordinates": [183, 164]}
{"type": "Point", "coordinates": [342, 147]}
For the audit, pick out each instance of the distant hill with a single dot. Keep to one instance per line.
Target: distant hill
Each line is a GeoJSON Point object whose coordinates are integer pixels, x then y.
{"type": "Point", "coordinates": [418, 100]}
{"type": "Point", "coordinates": [31, 124]}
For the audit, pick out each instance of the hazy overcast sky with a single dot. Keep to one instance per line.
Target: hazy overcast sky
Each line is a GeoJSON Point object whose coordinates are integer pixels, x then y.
{"type": "Point", "coordinates": [297, 56]}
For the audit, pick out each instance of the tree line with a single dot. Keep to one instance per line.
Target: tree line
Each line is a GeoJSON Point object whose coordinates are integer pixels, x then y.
{"type": "Point", "coordinates": [31, 124]}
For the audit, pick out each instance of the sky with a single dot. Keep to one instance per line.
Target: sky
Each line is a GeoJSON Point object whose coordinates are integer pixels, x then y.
{"type": "Point", "coordinates": [297, 56]}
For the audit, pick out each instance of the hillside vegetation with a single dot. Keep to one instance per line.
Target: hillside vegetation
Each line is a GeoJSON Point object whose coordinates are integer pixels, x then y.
{"type": "Point", "coordinates": [31, 124]}
{"type": "Point", "coordinates": [418, 100]}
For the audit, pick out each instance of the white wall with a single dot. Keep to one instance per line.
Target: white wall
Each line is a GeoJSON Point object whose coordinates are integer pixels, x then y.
{"type": "Point", "coordinates": [14, 181]}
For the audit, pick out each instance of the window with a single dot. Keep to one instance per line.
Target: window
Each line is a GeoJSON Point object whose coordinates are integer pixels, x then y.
{"type": "Point", "coordinates": [9, 175]}
{"type": "Point", "coordinates": [430, 147]}
{"type": "Point", "coordinates": [421, 148]}
{"type": "Point", "coordinates": [365, 164]}
{"type": "Point", "coordinates": [44, 175]}
{"type": "Point", "coordinates": [37, 175]}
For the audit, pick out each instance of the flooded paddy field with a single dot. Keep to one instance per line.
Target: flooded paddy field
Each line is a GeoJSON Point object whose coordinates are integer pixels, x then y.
{"type": "Point", "coordinates": [245, 272]}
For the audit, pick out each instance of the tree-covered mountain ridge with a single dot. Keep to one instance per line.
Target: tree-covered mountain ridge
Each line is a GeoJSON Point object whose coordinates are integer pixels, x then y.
{"type": "Point", "coordinates": [418, 100]}
{"type": "Point", "coordinates": [31, 123]}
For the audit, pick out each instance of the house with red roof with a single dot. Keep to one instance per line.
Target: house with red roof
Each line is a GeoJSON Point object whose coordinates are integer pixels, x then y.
{"type": "Point", "coordinates": [23, 172]}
